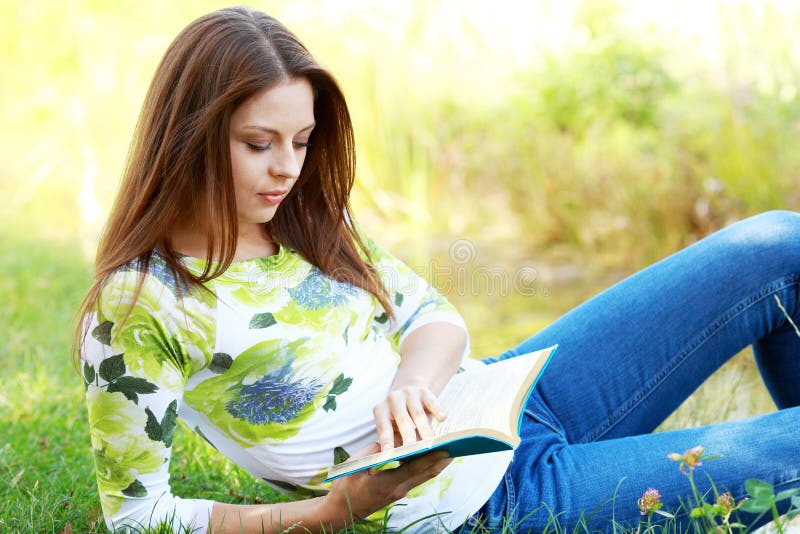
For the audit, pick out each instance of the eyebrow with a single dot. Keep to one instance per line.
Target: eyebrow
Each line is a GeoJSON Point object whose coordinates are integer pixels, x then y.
{"type": "Point", "coordinates": [275, 132]}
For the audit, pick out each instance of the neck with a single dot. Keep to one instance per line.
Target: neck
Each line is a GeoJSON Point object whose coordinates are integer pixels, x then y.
{"type": "Point", "coordinates": [253, 241]}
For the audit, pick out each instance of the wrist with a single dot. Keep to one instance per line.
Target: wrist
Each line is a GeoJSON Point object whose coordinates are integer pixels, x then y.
{"type": "Point", "coordinates": [410, 382]}
{"type": "Point", "coordinates": [433, 382]}
{"type": "Point", "coordinates": [334, 511]}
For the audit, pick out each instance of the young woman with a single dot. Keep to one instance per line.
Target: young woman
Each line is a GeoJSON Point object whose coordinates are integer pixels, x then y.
{"type": "Point", "coordinates": [234, 291]}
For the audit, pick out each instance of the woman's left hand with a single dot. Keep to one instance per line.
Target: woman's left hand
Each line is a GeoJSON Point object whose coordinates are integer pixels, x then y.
{"type": "Point", "coordinates": [403, 416]}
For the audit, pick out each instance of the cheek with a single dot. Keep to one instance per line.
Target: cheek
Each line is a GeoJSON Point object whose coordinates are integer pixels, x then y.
{"type": "Point", "coordinates": [237, 161]}
{"type": "Point", "coordinates": [244, 169]}
{"type": "Point", "coordinates": [236, 176]}
{"type": "Point", "coordinates": [302, 158]}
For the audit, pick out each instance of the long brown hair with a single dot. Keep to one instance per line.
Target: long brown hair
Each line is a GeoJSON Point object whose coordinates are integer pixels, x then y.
{"type": "Point", "coordinates": [179, 159]}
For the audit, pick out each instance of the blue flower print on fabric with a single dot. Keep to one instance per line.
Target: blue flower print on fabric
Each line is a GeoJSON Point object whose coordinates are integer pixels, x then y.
{"type": "Point", "coordinates": [158, 269]}
{"type": "Point", "coordinates": [274, 398]}
{"type": "Point", "coordinates": [318, 291]}
{"type": "Point", "coordinates": [437, 300]}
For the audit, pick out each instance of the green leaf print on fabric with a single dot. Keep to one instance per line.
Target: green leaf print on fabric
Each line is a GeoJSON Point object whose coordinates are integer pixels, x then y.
{"type": "Point", "coordinates": [152, 427]}
{"type": "Point", "coordinates": [220, 362]}
{"type": "Point", "coordinates": [88, 373]}
{"type": "Point", "coordinates": [131, 387]}
{"type": "Point", "coordinates": [169, 422]}
{"type": "Point", "coordinates": [262, 398]}
{"type": "Point", "coordinates": [340, 455]}
{"type": "Point", "coordinates": [340, 385]}
{"type": "Point", "coordinates": [382, 318]}
{"type": "Point", "coordinates": [165, 430]}
{"type": "Point", "coordinates": [112, 368]}
{"type": "Point", "coordinates": [122, 450]}
{"type": "Point", "coordinates": [102, 332]}
{"type": "Point", "coordinates": [262, 320]}
{"type": "Point", "coordinates": [136, 489]}
{"type": "Point", "coordinates": [398, 299]}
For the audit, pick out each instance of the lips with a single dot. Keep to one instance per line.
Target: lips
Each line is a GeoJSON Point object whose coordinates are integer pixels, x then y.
{"type": "Point", "coordinates": [273, 197]}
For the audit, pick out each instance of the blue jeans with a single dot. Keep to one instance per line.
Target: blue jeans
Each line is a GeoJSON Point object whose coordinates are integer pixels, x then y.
{"type": "Point", "coordinates": [629, 356]}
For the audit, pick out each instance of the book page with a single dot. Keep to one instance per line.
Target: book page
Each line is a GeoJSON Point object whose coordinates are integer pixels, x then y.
{"type": "Point", "coordinates": [486, 397]}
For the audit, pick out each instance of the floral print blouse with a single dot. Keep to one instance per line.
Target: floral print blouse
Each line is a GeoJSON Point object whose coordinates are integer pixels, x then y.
{"type": "Point", "coordinates": [278, 367]}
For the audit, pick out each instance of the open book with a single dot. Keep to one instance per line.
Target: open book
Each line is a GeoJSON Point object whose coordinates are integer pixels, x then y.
{"type": "Point", "coordinates": [484, 412]}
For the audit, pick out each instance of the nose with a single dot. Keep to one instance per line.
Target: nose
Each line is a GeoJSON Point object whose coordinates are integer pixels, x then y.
{"type": "Point", "coordinates": [286, 162]}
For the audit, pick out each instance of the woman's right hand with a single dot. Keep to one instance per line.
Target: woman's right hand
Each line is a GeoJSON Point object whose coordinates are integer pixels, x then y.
{"type": "Point", "coordinates": [367, 491]}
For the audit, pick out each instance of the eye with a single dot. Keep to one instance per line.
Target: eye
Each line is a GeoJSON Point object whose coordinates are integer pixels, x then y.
{"type": "Point", "coordinates": [259, 148]}
{"type": "Point", "coordinates": [299, 145]}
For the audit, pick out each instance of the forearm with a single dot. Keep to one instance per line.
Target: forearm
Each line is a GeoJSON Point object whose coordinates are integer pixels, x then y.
{"type": "Point", "coordinates": [430, 356]}
{"type": "Point", "coordinates": [312, 515]}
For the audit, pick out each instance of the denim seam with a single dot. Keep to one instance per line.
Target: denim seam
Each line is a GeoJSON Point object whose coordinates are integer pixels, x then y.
{"type": "Point", "coordinates": [511, 498]}
{"type": "Point", "coordinates": [706, 334]}
{"type": "Point", "coordinates": [540, 418]}
{"type": "Point", "coordinates": [792, 482]}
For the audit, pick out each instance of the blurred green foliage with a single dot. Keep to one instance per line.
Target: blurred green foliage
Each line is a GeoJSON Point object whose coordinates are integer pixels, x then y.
{"type": "Point", "coordinates": [616, 143]}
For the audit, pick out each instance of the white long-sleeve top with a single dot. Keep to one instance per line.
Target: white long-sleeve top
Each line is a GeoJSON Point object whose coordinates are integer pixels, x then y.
{"type": "Point", "coordinates": [278, 367]}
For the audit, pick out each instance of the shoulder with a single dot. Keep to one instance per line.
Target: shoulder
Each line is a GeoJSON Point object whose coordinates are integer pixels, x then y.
{"type": "Point", "coordinates": [148, 286]}
{"type": "Point", "coordinates": [152, 270]}
{"type": "Point", "coordinates": [141, 311]}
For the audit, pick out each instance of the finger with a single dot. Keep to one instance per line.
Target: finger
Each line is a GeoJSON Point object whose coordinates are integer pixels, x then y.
{"type": "Point", "coordinates": [383, 425]}
{"type": "Point", "coordinates": [420, 471]}
{"type": "Point", "coordinates": [420, 417]}
{"type": "Point", "coordinates": [402, 420]}
{"type": "Point", "coordinates": [432, 405]}
{"type": "Point", "coordinates": [372, 448]}
{"type": "Point", "coordinates": [419, 464]}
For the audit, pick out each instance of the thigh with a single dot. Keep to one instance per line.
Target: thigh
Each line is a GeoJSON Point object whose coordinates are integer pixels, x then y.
{"type": "Point", "coordinates": [601, 482]}
{"type": "Point", "coordinates": [629, 356]}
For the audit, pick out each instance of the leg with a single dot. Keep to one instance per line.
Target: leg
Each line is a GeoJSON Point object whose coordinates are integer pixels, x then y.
{"type": "Point", "coordinates": [629, 356]}
{"type": "Point", "coordinates": [779, 368]}
{"type": "Point", "coordinates": [600, 481]}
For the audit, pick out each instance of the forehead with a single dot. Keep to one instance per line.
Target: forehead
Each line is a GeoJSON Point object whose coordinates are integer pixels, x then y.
{"type": "Point", "coordinates": [287, 106]}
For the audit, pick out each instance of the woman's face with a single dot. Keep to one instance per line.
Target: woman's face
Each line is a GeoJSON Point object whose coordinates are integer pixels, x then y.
{"type": "Point", "coordinates": [268, 138]}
